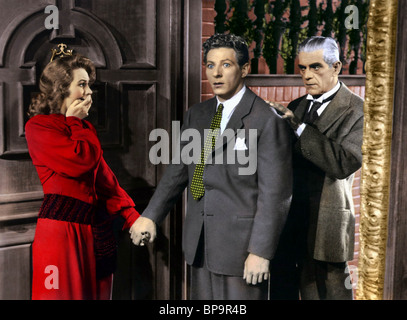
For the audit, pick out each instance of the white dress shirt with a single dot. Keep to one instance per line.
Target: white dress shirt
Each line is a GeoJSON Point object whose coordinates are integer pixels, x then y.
{"type": "Point", "coordinates": [229, 107]}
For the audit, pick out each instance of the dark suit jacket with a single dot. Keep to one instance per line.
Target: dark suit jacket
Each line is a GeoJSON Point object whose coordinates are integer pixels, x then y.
{"type": "Point", "coordinates": [326, 156]}
{"type": "Point", "coordinates": [241, 213]}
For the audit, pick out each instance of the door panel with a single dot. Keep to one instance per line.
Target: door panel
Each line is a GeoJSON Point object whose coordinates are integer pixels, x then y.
{"type": "Point", "coordinates": [16, 282]}
{"type": "Point", "coordinates": [130, 43]}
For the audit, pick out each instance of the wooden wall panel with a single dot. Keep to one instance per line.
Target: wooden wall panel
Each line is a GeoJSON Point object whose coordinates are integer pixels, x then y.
{"type": "Point", "coordinates": [16, 282]}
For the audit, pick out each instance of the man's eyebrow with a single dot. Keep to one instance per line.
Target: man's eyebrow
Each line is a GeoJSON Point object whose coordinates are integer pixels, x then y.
{"type": "Point", "coordinates": [312, 65]}
{"type": "Point", "coordinates": [222, 61]}
{"type": "Point", "coordinates": [317, 64]}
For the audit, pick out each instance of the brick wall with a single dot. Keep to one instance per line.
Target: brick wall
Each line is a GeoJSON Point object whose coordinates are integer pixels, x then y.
{"type": "Point", "coordinates": [286, 94]}
{"type": "Point", "coordinates": [282, 94]}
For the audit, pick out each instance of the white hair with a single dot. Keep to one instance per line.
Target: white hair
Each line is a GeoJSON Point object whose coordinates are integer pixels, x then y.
{"type": "Point", "coordinates": [331, 51]}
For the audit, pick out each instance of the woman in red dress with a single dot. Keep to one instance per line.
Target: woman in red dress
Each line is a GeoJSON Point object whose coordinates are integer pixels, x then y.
{"type": "Point", "coordinates": [74, 249]}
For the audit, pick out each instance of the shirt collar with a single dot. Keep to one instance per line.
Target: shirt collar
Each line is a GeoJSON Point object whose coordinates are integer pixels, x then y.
{"type": "Point", "coordinates": [326, 94]}
{"type": "Point", "coordinates": [231, 103]}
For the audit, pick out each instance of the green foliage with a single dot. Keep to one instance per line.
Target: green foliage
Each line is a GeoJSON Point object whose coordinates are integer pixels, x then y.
{"type": "Point", "coordinates": [258, 31]}
{"type": "Point", "coordinates": [258, 24]}
{"type": "Point", "coordinates": [357, 37]}
{"type": "Point", "coordinates": [340, 28]}
{"type": "Point", "coordinates": [293, 35]}
{"type": "Point", "coordinates": [273, 32]}
{"type": "Point", "coordinates": [220, 19]}
{"type": "Point", "coordinates": [239, 22]}
{"type": "Point", "coordinates": [328, 19]}
{"type": "Point", "coordinates": [312, 18]}
{"type": "Point", "coordinates": [280, 25]}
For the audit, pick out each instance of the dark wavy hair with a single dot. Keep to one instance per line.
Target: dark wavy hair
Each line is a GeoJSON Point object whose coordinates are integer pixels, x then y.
{"type": "Point", "coordinates": [55, 81]}
{"type": "Point", "coordinates": [222, 40]}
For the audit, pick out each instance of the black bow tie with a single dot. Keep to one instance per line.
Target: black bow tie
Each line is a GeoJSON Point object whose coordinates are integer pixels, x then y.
{"type": "Point", "coordinates": [312, 115]}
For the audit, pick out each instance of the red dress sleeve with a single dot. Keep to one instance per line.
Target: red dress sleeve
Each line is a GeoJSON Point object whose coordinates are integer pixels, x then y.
{"type": "Point", "coordinates": [113, 196]}
{"type": "Point", "coordinates": [70, 147]}
{"type": "Point", "coordinates": [67, 147]}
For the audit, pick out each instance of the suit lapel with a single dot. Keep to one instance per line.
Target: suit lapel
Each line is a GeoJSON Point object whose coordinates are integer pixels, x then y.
{"type": "Point", "coordinates": [335, 109]}
{"type": "Point", "coordinates": [236, 121]}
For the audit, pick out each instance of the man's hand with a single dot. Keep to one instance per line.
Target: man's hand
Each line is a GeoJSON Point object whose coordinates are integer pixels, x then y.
{"type": "Point", "coordinates": [256, 269]}
{"type": "Point", "coordinates": [287, 114]}
{"type": "Point", "coordinates": [142, 231]}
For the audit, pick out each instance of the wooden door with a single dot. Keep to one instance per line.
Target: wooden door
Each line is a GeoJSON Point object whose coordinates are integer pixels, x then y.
{"type": "Point", "coordinates": [137, 48]}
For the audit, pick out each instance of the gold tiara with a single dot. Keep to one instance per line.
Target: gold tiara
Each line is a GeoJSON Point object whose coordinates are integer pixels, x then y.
{"type": "Point", "coordinates": [63, 52]}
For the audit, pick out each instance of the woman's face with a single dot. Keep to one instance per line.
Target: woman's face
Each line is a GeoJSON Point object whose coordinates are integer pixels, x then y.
{"type": "Point", "coordinates": [79, 88]}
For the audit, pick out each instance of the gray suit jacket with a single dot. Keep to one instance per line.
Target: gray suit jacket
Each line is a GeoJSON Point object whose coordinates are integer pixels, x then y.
{"type": "Point", "coordinates": [327, 155]}
{"type": "Point", "coordinates": [240, 213]}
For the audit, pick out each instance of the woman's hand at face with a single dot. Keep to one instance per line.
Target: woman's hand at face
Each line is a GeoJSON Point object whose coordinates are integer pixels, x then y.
{"type": "Point", "coordinates": [79, 108]}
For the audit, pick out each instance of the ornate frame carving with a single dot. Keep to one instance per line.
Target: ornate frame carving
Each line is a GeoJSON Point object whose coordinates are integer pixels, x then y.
{"type": "Point", "coordinates": [375, 179]}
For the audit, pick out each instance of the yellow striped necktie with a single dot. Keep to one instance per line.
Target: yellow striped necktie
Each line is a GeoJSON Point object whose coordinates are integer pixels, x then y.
{"type": "Point", "coordinates": [197, 186]}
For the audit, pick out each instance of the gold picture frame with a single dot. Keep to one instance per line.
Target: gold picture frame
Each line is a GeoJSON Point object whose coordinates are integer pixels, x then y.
{"type": "Point", "coordinates": [376, 149]}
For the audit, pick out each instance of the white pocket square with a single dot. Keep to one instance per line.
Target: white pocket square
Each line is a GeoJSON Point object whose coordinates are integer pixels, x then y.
{"type": "Point", "coordinates": [240, 144]}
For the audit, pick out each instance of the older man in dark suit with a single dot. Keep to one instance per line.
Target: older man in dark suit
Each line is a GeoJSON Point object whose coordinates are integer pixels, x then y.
{"type": "Point", "coordinates": [234, 216]}
{"type": "Point", "coordinates": [318, 239]}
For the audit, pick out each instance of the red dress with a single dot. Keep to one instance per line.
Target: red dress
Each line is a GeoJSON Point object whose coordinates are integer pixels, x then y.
{"type": "Point", "coordinates": [74, 248]}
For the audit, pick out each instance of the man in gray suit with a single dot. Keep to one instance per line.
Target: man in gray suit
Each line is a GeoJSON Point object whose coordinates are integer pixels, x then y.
{"type": "Point", "coordinates": [234, 217]}
{"type": "Point", "coordinates": [318, 238]}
